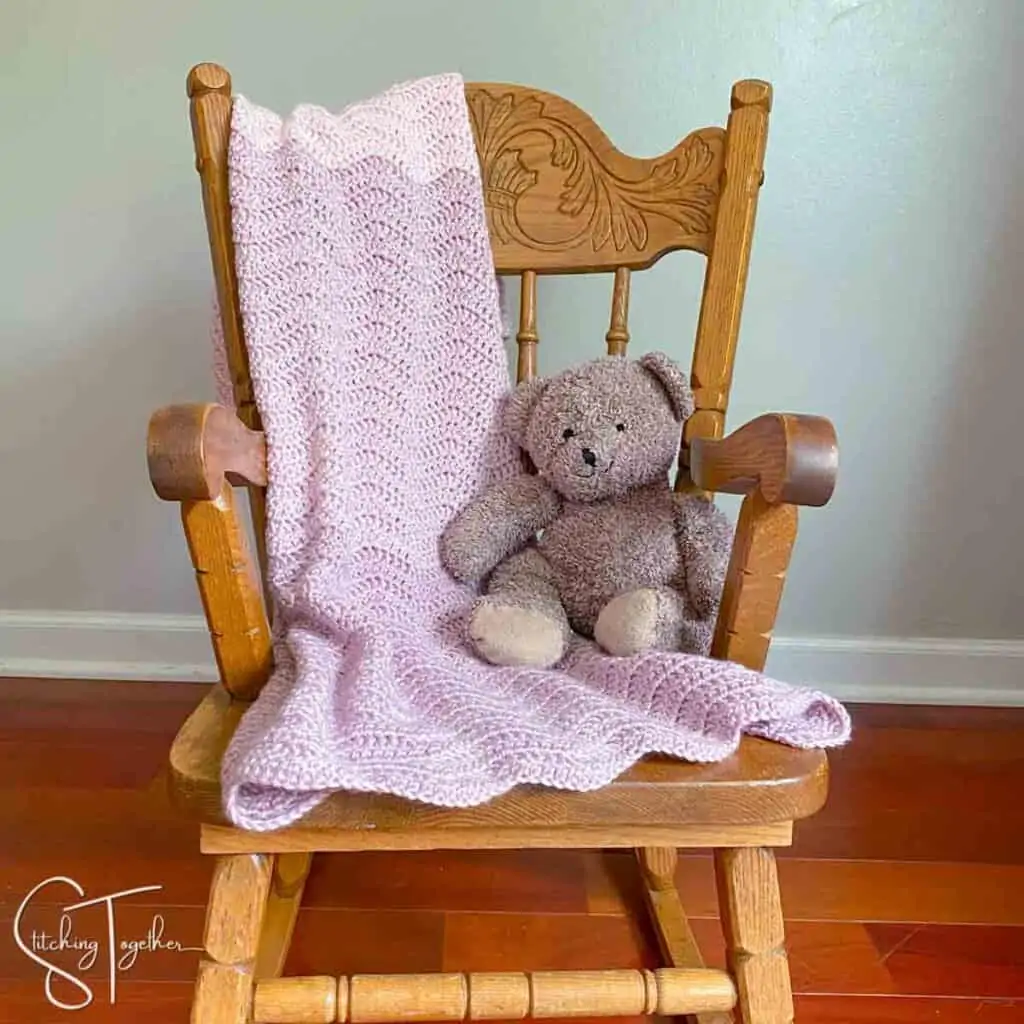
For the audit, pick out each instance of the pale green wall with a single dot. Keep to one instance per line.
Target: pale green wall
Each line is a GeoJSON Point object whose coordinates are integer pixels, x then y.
{"type": "Point", "coordinates": [882, 291]}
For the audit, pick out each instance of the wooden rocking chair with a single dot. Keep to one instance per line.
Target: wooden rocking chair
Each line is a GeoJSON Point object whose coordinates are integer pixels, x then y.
{"type": "Point", "coordinates": [560, 199]}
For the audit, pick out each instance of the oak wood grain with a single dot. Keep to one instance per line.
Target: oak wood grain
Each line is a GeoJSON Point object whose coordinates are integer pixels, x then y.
{"type": "Point", "coordinates": [218, 839]}
{"type": "Point", "coordinates": [374, 999]}
{"type": "Point", "coordinates": [560, 198]}
{"type": "Point", "coordinates": [763, 543]}
{"type": "Point", "coordinates": [617, 338]}
{"type": "Point", "coordinates": [763, 783]}
{"type": "Point", "coordinates": [230, 592]}
{"type": "Point", "coordinates": [231, 937]}
{"type": "Point", "coordinates": [718, 325]}
{"type": "Point", "coordinates": [748, 893]}
{"type": "Point", "coordinates": [281, 912]}
{"type": "Point", "coordinates": [527, 336]}
{"type": "Point", "coordinates": [168, 1003]}
{"type": "Point", "coordinates": [234, 914]}
{"type": "Point", "coordinates": [312, 999]}
{"type": "Point", "coordinates": [209, 92]}
{"type": "Point", "coordinates": [679, 947]}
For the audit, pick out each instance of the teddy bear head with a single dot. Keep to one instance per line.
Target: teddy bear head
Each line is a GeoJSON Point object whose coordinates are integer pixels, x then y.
{"type": "Point", "coordinates": [602, 428]}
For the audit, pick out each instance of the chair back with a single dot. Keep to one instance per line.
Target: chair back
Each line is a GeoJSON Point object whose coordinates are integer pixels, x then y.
{"type": "Point", "coordinates": [560, 199]}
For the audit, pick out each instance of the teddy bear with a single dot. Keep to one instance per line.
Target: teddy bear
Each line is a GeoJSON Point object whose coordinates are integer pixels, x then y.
{"type": "Point", "coordinates": [595, 541]}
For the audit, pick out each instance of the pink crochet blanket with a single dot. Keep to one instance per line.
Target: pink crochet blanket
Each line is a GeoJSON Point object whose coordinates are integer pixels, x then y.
{"type": "Point", "coordinates": [372, 321]}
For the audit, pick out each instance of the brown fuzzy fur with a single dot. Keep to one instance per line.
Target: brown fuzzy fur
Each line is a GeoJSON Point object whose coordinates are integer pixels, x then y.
{"type": "Point", "coordinates": [620, 556]}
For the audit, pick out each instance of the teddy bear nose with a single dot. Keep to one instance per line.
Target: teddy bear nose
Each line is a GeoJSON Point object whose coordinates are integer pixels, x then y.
{"type": "Point", "coordinates": [588, 456]}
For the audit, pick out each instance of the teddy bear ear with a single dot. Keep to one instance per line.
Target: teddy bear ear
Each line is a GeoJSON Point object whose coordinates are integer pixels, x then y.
{"type": "Point", "coordinates": [518, 408]}
{"type": "Point", "coordinates": [670, 376]}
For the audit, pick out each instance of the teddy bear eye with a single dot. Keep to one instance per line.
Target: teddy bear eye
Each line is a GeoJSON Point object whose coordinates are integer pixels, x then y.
{"type": "Point", "coordinates": [568, 432]}
{"type": "Point", "coordinates": [620, 427]}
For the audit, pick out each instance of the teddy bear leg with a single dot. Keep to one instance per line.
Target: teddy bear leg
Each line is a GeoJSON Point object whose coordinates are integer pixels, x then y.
{"type": "Point", "coordinates": [649, 619]}
{"type": "Point", "coordinates": [521, 620]}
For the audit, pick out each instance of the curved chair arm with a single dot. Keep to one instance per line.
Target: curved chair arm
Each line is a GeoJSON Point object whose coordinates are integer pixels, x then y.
{"type": "Point", "coordinates": [793, 459]}
{"type": "Point", "coordinates": [193, 449]}
{"type": "Point", "coordinates": [196, 452]}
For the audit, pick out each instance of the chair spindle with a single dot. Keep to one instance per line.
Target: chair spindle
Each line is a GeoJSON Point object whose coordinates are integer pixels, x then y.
{"type": "Point", "coordinates": [526, 337]}
{"type": "Point", "coordinates": [375, 999]}
{"type": "Point", "coordinates": [618, 330]}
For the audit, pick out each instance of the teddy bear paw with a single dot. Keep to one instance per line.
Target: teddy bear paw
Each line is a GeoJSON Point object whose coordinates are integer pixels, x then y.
{"type": "Point", "coordinates": [631, 623]}
{"type": "Point", "coordinates": [506, 634]}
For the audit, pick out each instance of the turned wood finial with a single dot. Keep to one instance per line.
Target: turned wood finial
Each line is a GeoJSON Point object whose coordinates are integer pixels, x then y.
{"type": "Point", "coordinates": [752, 92]}
{"type": "Point", "coordinates": [204, 78]}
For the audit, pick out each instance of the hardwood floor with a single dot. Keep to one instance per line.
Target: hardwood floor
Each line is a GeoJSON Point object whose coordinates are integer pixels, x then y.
{"type": "Point", "coordinates": [904, 897]}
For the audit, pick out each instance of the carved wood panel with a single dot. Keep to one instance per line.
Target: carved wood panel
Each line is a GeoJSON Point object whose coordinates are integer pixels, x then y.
{"type": "Point", "coordinates": [560, 197]}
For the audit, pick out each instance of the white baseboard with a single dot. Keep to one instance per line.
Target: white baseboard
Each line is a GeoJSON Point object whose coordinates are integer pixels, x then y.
{"type": "Point", "coordinates": [108, 645]}
{"type": "Point", "coordinates": [892, 670]}
{"type": "Point", "coordinates": [904, 670]}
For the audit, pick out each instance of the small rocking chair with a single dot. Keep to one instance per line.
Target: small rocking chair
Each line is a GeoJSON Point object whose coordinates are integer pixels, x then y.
{"type": "Point", "coordinates": [559, 199]}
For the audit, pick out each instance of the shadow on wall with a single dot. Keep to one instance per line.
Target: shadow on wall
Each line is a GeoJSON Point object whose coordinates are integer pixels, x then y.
{"type": "Point", "coordinates": [960, 573]}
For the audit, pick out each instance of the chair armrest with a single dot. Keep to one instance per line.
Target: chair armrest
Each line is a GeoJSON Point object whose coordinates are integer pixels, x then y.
{"type": "Point", "coordinates": [195, 453]}
{"type": "Point", "coordinates": [193, 449]}
{"type": "Point", "coordinates": [791, 458]}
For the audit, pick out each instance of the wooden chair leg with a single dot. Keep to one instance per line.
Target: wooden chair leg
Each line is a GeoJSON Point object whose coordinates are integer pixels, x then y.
{"type": "Point", "coordinates": [678, 946]}
{"type": "Point", "coordinates": [287, 883]}
{"type": "Point", "coordinates": [234, 918]}
{"type": "Point", "coordinates": [748, 897]}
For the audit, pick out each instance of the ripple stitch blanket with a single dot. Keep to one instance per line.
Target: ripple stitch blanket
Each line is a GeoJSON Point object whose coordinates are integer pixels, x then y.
{"type": "Point", "coordinates": [373, 327]}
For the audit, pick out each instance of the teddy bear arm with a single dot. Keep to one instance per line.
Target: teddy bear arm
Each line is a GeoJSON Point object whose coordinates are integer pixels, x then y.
{"type": "Point", "coordinates": [705, 542]}
{"type": "Point", "coordinates": [496, 524]}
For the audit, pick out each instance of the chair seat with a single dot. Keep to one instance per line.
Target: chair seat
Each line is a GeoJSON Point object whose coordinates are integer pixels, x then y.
{"type": "Point", "coordinates": [762, 783]}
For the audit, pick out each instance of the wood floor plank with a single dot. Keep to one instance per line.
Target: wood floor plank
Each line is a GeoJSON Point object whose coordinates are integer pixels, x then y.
{"type": "Point", "coordinates": [155, 1002]}
{"type": "Point", "coordinates": [524, 881]}
{"type": "Point", "coordinates": [527, 942]}
{"type": "Point", "coordinates": [106, 840]}
{"type": "Point", "coordinates": [824, 956]}
{"type": "Point", "coordinates": [138, 921]}
{"type": "Point", "coordinates": [847, 890]}
{"type": "Point", "coordinates": [902, 788]}
{"type": "Point", "coordinates": [113, 695]}
{"type": "Point", "coordinates": [366, 942]}
{"type": "Point", "coordinates": [848, 958]}
{"type": "Point", "coordinates": [933, 717]}
{"type": "Point", "coordinates": [838, 890]}
{"type": "Point", "coordinates": [91, 762]}
{"type": "Point", "coordinates": [900, 1010]}
{"type": "Point", "coordinates": [952, 961]}
{"type": "Point", "coordinates": [902, 891]}
{"type": "Point", "coordinates": [904, 898]}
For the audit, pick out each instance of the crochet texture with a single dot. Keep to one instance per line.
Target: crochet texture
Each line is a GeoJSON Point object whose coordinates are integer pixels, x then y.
{"type": "Point", "coordinates": [372, 321]}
